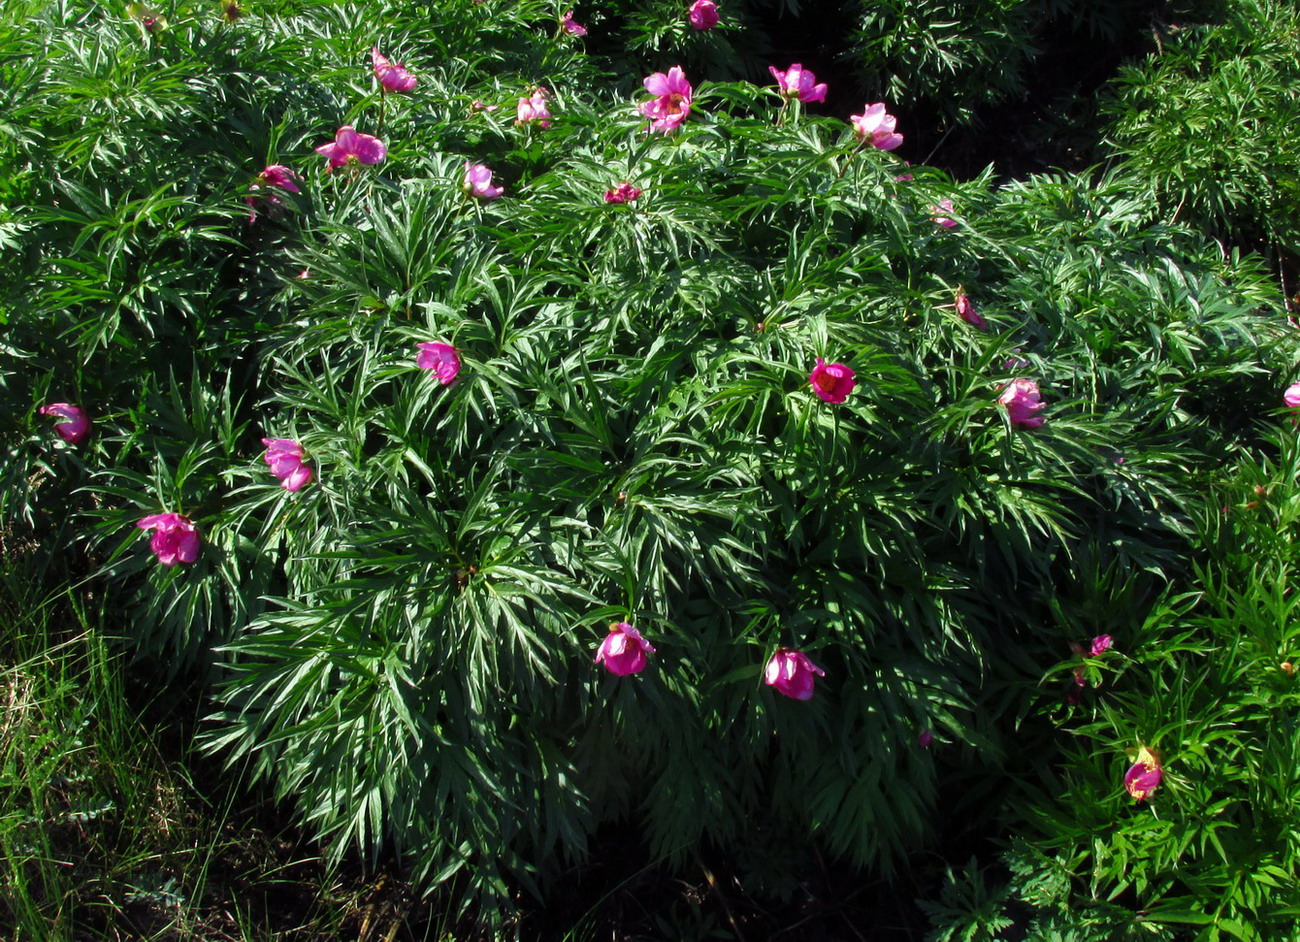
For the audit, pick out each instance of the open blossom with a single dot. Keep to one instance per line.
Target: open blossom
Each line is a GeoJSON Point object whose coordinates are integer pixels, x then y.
{"type": "Point", "coordinates": [274, 177]}
{"type": "Point", "coordinates": [623, 193]}
{"type": "Point", "coordinates": [1100, 645]}
{"type": "Point", "coordinates": [703, 14]}
{"type": "Point", "coordinates": [623, 651]}
{"type": "Point", "coordinates": [391, 75]}
{"type": "Point", "coordinates": [792, 673]}
{"type": "Point", "coordinates": [350, 148]}
{"type": "Point", "coordinates": [285, 459]}
{"type": "Point", "coordinates": [175, 540]}
{"type": "Point", "coordinates": [1144, 775]}
{"type": "Point", "coordinates": [1023, 403]}
{"type": "Point", "coordinates": [876, 125]}
{"type": "Point", "coordinates": [533, 108]}
{"type": "Point", "coordinates": [77, 426]}
{"type": "Point", "coordinates": [442, 358]}
{"type": "Point", "coordinates": [570, 27]}
{"type": "Point", "coordinates": [672, 101]}
{"type": "Point", "coordinates": [796, 82]}
{"type": "Point", "coordinates": [966, 311]}
{"type": "Point", "coordinates": [478, 182]}
{"type": "Point", "coordinates": [937, 214]}
{"type": "Point", "coordinates": [832, 381]}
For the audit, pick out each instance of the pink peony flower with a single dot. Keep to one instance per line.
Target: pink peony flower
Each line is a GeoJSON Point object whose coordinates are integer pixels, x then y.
{"type": "Point", "coordinates": [570, 27]}
{"type": "Point", "coordinates": [478, 106]}
{"type": "Point", "coordinates": [905, 177]}
{"type": "Point", "coordinates": [351, 148]}
{"type": "Point", "coordinates": [284, 457]}
{"type": "Point", "coordinates": [73, 431]}
{"type": "Point", "coordinates": [533, 108]}
{"type": "Point", "coordinates": [623, 651]}
{"type": "Point", "coordinates": [1292, 396]}
{"type": "Point", "coordinates": [937, 214]}
{"type": "Point", "coordinates": [672, 102]}
{"type": "Point", "coordinates": [442, 358]}
{"type": "Point", "coordinates": [275, 176]}
{"type": "Point", "coordinates": [1144, 775]}
{"type": "Point", "coordinates": [478, 182]}
{"type": "Point", "coordinates": [623, 193]}
{"type": "Point", "coordinates": [703, 14]}
{"type": "Point", "coordinates": [391, 75]}
{"type": "Point", "coordinates": [794, 82]}
{"type": "Point", "coordinates": [791, 673]}
{"type": "Point", "coordinates": [1023, 403]}
{"type": "Point", "coordinates": [876, 125]}
{"type": "Point", "coordinates": [966, 311]}
{"type": "Point", "coordinates": [174, 538]}
{"type": "Point", "coordinates": [832, 381]}
{"type": "Point", "coordinates": [925, 739]}
{"type": "Point", "coordinates": [1100, 645]}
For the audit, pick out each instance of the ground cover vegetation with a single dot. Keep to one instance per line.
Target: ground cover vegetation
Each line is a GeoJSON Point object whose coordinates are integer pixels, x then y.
{"type": "Point", "coordinates": [519, 445]}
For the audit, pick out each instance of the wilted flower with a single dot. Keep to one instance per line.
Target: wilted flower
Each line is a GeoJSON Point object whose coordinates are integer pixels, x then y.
{"type": "Point", "coordinates": [73, 431]}
{"type": "Point", "coordinates": [795, 82]}
{"type": "Point", "coordinates": [1144, 775]}
{"type": "Point", "coordinates": [937, 214]}
{"type": "Point", "coordinates": [174, 538]}
{"type": "Point", "coordinates": [1292, 396]}
{"type": "Point", "coordinates": [146, 17]}
{"type": "Point", "coordinates": [275, 176]}
{"type": "Point", "coordinates": [533, 108]}
{"type": "Point", "coordinates": [392, 75]}
{"type": "Point", "coordinates": [478, 182]}
{"type": "Point", "coordinates": [350, 148]}
{"type": "Point", "coordinates": [832, 381]}
{"type": "Point", "coordinates": [570, 27]}
{"type": "Point", "coordinates": [876, 125]}
{"type": "Point", "coordinates": [623, 651]}
{"type": "Point", "coordinates": [230, 10]}
{"type": "Point", "coordinates": [1023, 403]}
{"type": "Point", "coordinates": [442, 358]}
{"type": "Point", "coordinates": [672, 102]}
{"type": "Point", "coordinates": [966, 311]}
{"type": "Point", "coordinates": [623, 193]}
{"type": "Point", "coordinates": [284, 457]}
{"type": "Point", "coordinates": [1100, 645]}
{"type": "Point", "coordinates": [792, 673]}
{"type": "Point", "coordinates": [703, 14]}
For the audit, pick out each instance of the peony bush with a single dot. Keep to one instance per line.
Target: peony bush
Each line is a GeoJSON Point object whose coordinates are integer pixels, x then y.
{"type": "Point", "coordinates": [531, 456]}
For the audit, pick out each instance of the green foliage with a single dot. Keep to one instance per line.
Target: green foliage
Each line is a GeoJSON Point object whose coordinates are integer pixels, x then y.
{"type": "Point", "coordinates": [1208, 118]}
{"type": "Point", "coordinates": [404, 648]}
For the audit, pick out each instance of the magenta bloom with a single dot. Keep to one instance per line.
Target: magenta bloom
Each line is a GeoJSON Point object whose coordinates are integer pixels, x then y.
{"type": "Point", "coordinates": [1100, 645]}
{"type": "Point", "coordinates": [478, 182]}
{"type": "Point", "coordinates": [792, 673]}
{"type": "Point", "coordinates": [703, 14]}
{"type": "Point", "coordinates": [570, 27]}
{"type": "Point", "coordinates": [966, 311]}
{"type": "Point", "coordinates": [937, 214]}
{"type": "Point", "coordinates": [672, 101]}
{"type": "Point", "coordinates": [794, 82]}
{"type": "Point", "coordinates": [391, 75]}
{"type": "Point", "coordinates": [174, 538]}
{"type": "Point", "coordinates": [1023, 403]}
{"type": "Point", "coordinates": [876, 125]}
{"type": "Point", "coordinates": [274, 177]}
{"type": "Point", "coordinates": [1144, 775]}
{"type": "Point", "coordinates": [623, 651]}
{"type": "Point", "coordinates": [925, 739]}
{"type": "Point", "coordinates": [623, 193]}
{"type": "Point", "coordinates": [77, 426]}
{"type": "Point", "coordinates": [284, 457]}
{"type": "Point", "coordinates": [442, 358]}
{"type": "Point", "coordinates": [533, 108]}
{"type": "Point", "coordinates": [351, 148]}
{"type": "Point", "coordinates": [832, 381]}
{"type": "Point", "coordinates": [1292, 396]}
